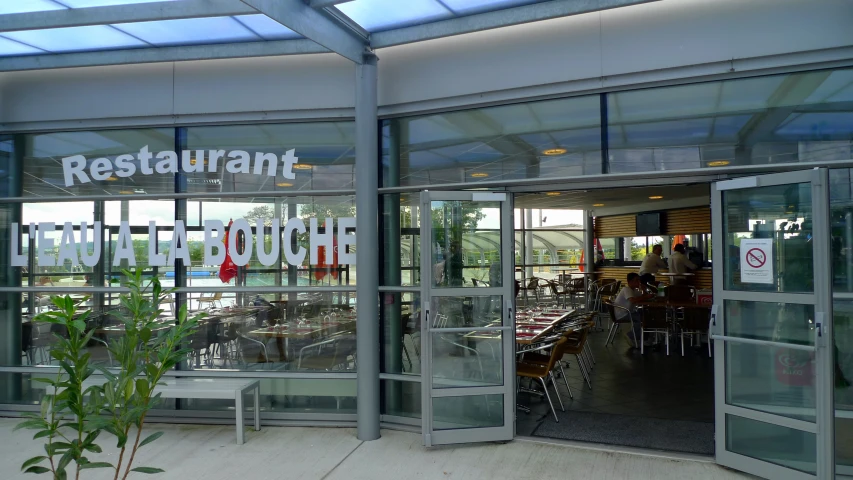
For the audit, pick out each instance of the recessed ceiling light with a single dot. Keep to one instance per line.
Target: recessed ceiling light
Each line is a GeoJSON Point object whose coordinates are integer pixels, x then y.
{"type": "Point", "coordinates": [655, 197]}
{"type": "Point", "coordinates": [554, 151]}
{"type": "Point", "coordinates": [479, 174]}
{"type": "Point", "coordinates": [112, 179]}
{"type": "Point", "coordinates": [552, 194]}
{"type": "Point", "coordinates": [303, 166]}
{"type": "Point", "coordinates": [718, 163]}
{"type": "Point", "coordinates": [597, 204]}
{"type": "Point", "coordinates": [283, 184]}
{"type": "Point", "coordinates": [127, 192]}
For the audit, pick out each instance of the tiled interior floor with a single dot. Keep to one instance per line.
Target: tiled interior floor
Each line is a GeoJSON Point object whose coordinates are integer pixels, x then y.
{"type": "Point", "coordinates": [626, 383]}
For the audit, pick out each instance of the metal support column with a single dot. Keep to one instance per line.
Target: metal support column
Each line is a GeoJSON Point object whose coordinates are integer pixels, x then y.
{"type": "Point", "coordinates": [367, 258]}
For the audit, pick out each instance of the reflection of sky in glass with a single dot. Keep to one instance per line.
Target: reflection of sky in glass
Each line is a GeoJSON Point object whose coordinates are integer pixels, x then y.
{"type": "Point", "coordinates": [376, 15]}
{"type": "Point", "coordinates": [477, 6]}
{"type": "Point", "coordinates": [70, 39]}
{"type": "Point", "coordinates": [816, 125]}
{"type": "Point", "coordinates": [23, 6]}
{"type": "Point", "coordinates": [266, 27]}
{"type": "Point", "coordinates": [189, 31]}
{"type": "Point", "coordinates": [11, 47]}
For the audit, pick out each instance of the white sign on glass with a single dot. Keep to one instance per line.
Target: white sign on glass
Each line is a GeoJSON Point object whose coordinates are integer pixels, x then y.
{"type": "Point", "coordinates": [756, 260]}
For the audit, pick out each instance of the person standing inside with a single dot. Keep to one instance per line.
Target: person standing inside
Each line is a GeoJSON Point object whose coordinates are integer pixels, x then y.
{"type": "Point", "coordinates": [680, 264]}
{"type": "Point", "coordinates": [629, 298]}
{"type": "Point", "coordinates": [652, 263]}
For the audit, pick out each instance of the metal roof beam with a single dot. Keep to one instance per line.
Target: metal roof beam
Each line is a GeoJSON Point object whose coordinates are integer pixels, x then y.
{"type": "Point", "coordinates": [161, 54]}
{"type": "Point", "coordinates": [495, 19]}
{"type": "Point", "coordinates": [140, 12]}
{"type": "Point", "coordinates": [311, 24]}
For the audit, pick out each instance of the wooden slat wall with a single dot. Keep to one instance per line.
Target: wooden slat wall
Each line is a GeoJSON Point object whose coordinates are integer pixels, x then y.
{"type": "Point", "coordinates": [676, 222]}
{"type": "Point", "coordinates": [701, 279]}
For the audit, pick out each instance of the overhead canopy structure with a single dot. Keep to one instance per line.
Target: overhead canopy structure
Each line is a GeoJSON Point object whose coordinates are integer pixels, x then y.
{"type": "Point", "coordinates": [41, 34]}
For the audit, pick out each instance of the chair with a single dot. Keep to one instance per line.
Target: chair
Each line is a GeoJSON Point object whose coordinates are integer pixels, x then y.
{"type": "Point", "coordinates": [654, 321]}
{"type": "Point", "coordinates": [616, 322]}
{"type": "Point", "coordinates": [574, 287]}
{"type": "Point", "coordinates": [211, 300]}
{"type": "Point", "coordinates": [532, 286]}
{"type": "Point", "coordinates": [541, 372]}
{"type": "Point", "coordinates": [411, 354]}
{"type": "Point", "coordinates": [695, 322]}
{"type": "Point", "coordinates": [559, 292]}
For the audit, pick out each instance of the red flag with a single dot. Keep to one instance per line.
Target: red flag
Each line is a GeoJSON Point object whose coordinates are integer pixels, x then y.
{"type": "Point", "coordinates": [322, 268]}
{"type": "Point", "coordinates": [228, 270]}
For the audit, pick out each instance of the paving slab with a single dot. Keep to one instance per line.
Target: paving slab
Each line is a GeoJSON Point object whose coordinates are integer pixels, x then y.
{"type": "Point", "coordinates": [209, 452]}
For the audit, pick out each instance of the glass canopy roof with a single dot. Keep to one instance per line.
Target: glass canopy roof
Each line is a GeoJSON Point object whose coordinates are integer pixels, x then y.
{"type": "Point", "coordinates": [199, 25]}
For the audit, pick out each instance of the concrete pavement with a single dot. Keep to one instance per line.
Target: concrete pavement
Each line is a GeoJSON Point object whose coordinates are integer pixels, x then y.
{"type": "Point", "coordinates": [189, 452]}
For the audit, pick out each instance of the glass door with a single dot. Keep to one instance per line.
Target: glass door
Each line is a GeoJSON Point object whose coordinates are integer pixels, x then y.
{"type": "Point", "coordinates": [468, 340]}
{"type": "Point", "coordinates": [770, 323]}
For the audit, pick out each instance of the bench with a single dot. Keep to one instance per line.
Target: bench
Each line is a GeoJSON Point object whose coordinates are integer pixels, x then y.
{"type": "Point", "coordinates": [207, 388]}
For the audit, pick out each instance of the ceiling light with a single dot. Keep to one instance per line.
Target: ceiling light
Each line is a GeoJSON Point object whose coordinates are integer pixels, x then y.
{"type": "Point", "coordinates": [655, 197]}
{"type": "Point", "coordinates": [552, 194]}
{"type": "Point", "coordinates": [479, 174]}
{"type": "Point", "coordinates": [597, 204]}
{"type": "Point", "coordinates": [112, 179]}
{"type": "Point", "coordinates": [192, 161]}
{"type": "Point", "coordinates": [554, 151]}
{"type": "Point", "coordinates": [303, 166]}
{"type": "Point", "coordinates": [283, 184]}
{"type": "Point", "coordinates": [127, 192]}
{"type": "Point", "coordinates": [718, 163]}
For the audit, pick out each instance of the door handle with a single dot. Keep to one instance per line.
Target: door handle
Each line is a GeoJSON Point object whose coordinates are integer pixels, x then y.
{"type": "Point", "coordinates": [820, 339]}
{"type": "Point", "coordinates": [712, 323]}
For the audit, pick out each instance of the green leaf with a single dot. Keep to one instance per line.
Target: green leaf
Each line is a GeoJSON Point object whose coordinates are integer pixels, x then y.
{"type": "Point", "coordinates": [96, 465]}
{"type": "Point", "coordinates": [79, 325]}
{"type": "Point", "coordinates": [33, 461]}
{"type": "Point", "coordinates": [142, 387]}
{"type": "Point", "coordinates": [128, 390]}
{"type": "Point", "coordinates": [148, 470]}
{"type": "Point", "coordinates": [65, 460]}
{"type": "Point", "coordinates": [37, 469]}
{"type": "Point", "coordinates": [150, 438]}
{"type": "Point", "coordinates": [145, 335]}
{"type": "Point", "coordinates": [34, 423]}
{"type": "Point", "coordinates": [43, 433]}
{"type": "Point", "coordinates": [49, 381]}
{"type": "Point", "coordinates": [95, 448]}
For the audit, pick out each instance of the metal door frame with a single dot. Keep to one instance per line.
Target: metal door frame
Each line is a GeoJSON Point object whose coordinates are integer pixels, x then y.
{"type": "Point", "coordinates": [473, 434]}
{"type": "Point", "coordinates": [821, 298]}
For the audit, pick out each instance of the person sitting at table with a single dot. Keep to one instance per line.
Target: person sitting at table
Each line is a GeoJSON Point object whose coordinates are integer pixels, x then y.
{"type": "Point", "coordinates": [679, 263]}
{"type": "Point", "coordinates": [651, 264]}
{"type": "Point", "coordinates": [629, 298]}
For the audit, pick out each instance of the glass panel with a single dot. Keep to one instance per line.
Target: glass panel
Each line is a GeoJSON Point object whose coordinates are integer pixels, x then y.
{"type": "Point", "coordinates": [467, 311]}
{"type": "Point", "coordinates": [375, 15]}
{"type": "Point", "coordinates": [548, 139]}
{"type": "Point", "coordinates": [316, 156]}
{"type": "Point", "coordinates": [752, 121]}
{"type": "Point", "coordinates": [450, 413]}
{"type": "Point", "coordinates": [401, 333]}
{"type": "Point", "coordinates": [777, 322]}
{"type": "Point", "coordinates": [772, 443]}
{"type": "Point", "coordinates": [11, 47]}
{"type": "Point", "coordinates": [69, 39]}
{"type": "Point", "coordinates": [769, 379]}
{"type": "Point", "coordinates": [189, 31]}
{"type": "Point", "coordinates": [477, 6]}
{"type": "Point", "coordinates": [768, 232]}
{"type": "Point", "coordinates": [44, 175]}
{"type": "Point", "coordinates": [266, 27]}
{"type": "Point", "coordinates": [23, 6]}
{"type": "Point", "coordinates": [466, 241]}
{"type": "Point", "coordinates": [467, 359]}
{"type": "Point", "coordinates": [402, 399]}
{"type": "Point", "coordinates": [401, 252]}
{"type": "Point", "coordinates": [843, 375]}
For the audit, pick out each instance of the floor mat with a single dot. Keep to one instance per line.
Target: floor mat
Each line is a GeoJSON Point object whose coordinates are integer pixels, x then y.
{"type": "Point", "coordinates": [624, 430]}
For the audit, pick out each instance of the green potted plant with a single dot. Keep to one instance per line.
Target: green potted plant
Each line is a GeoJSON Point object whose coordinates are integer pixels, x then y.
{"type": "Point", "coordinates": [85, 400]}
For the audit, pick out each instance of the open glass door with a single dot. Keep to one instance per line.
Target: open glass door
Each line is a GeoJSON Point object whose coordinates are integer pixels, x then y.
{"type": "Point", "coordinates": [770, 323]}
{"type": "Point", "coordinates": [468, 357]}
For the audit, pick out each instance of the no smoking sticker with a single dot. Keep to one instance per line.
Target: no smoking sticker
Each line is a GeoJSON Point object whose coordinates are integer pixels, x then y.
{"type": "Point", "coordinates": [754, 264]}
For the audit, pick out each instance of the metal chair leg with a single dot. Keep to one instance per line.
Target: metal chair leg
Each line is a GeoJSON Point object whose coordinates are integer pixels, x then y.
{"type": "Point", "coordinates": [559, 399]}
{"type": "Point", "coordinates": [583, 371]}
{"type": "Point", "coordinates": [565, 379]}
{"type": "Point", "coordinates": [548, 396]}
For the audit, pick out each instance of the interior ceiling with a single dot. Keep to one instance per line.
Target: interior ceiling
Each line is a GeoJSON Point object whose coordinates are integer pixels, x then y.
{"type": "Point", "coordinates": [611, 198]}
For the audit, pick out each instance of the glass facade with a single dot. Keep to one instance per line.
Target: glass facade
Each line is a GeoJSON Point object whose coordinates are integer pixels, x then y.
{"type": "Point", "coordinates": [119, 197]}
{"type": "Point", "coordinates": [291, 321]}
